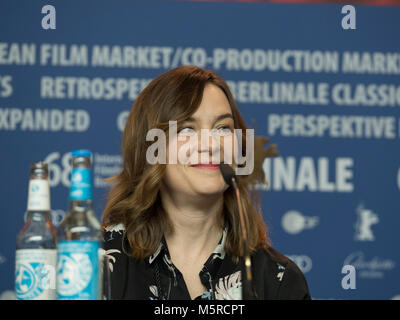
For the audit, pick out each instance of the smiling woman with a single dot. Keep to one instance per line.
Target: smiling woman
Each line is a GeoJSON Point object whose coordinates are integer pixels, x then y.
{"type": "Point", "coordinates": [172, 230]}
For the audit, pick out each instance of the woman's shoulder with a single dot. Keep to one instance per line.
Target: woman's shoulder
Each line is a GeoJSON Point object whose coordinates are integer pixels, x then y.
{"type": "Point", "coordinates": [273, 257]}
{"type": "Point", "coordinates": [114, 228]}
{"type": "Point", "coordinates": [283, 272]}
{"type": "Point", "coordinates": [113, 236]}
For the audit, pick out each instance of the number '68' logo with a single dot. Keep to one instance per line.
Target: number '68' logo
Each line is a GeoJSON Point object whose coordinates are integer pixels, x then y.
{"type": "Point", "coordinates": [59, 173]}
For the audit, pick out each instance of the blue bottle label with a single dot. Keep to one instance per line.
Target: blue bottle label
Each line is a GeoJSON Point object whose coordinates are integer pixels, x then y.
{"type": "Point", "coordinates": [81, 184]}
{"type": "Point", "coordinates": [78, 270]}
{"type": "Point", "coordinates": [35, 274]}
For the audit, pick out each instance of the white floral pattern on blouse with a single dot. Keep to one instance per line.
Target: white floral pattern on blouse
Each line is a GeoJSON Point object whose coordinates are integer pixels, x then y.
{"type": "Point", "coordinates": [229, 287]}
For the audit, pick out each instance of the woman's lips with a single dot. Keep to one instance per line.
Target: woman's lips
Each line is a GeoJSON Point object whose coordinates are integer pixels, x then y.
{"type": "Point", "coordinates": [206, 166]}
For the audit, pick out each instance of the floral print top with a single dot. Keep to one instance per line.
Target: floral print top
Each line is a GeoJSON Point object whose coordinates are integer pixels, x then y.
{"type": "Point", "coordinates": [156, 277]}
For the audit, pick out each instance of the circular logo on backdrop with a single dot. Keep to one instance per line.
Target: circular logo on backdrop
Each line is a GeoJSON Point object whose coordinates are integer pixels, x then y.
{"type": "Point", "coordinates": [74, 273]}
{"type": "Point", "coordinates": [303, 261]}
{"type": "Point", "coordinates": [57, 216]}
{"type": "Point", "coordinates": [294, 222]}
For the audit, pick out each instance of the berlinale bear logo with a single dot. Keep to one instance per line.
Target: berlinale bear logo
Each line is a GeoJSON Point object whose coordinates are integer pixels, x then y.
{"type": "Point", "coordinates": [365, 219]}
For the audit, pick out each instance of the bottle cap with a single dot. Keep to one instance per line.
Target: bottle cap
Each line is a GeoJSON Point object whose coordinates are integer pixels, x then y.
{"type": "Point", "coordinates": [81, 153]}
{"type": "Point", "coordinates": [39, 166]}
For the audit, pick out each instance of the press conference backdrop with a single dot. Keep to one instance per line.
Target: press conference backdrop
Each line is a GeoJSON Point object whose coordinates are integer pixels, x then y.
{"type": "Point", "coordinates": [328, 96]}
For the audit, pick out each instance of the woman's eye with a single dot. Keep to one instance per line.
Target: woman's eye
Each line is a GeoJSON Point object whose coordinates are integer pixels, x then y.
{"type": "Point", "coordinates": [224, 129]}
{"type": "Point", "coordinates": [187, 130]}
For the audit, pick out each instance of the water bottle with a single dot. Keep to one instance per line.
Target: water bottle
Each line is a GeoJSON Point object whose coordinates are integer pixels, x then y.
{"type": "Point", "coordinates": [36, 254]}
{"type": "Point", "coordinates": [79, 237]}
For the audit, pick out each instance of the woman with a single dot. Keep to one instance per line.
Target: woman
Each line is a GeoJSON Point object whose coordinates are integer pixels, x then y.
{"type": "Point", "coordinates": [172, 231]}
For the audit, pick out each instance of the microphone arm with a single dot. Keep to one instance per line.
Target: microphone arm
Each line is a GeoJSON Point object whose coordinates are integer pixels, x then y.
{"type": "Point", "coordinates": [247, 289]}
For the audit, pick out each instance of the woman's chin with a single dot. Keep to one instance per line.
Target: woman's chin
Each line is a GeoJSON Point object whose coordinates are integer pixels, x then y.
{"type": "Point", "coordinates": [210, 188]}
{"type": "Point", "coordinates": [209, 191]}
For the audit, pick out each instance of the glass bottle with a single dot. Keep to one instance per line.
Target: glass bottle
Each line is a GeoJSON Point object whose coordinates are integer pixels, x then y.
{"type": "Point", "coordinates": [79, 237]}
{"type": "Point", "coordinates": [36, 254]}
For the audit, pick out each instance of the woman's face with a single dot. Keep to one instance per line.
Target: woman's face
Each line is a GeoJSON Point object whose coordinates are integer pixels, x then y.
{"type": "Point", "coordinates": [214, 114]}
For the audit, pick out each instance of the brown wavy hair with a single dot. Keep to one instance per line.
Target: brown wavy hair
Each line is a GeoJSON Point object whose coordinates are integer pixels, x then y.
{"type": "Point", "coordinates": [134, 198]}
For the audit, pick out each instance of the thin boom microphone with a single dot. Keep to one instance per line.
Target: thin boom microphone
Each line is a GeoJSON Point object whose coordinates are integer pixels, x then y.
{"type": "Point", "coordinates": [227, 173]}
{"type": "Point", "coordinates": [230, 178]}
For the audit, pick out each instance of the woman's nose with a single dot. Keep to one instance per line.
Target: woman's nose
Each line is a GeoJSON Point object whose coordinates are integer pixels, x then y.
{"type": "Point", "coordinates": [208, 144]}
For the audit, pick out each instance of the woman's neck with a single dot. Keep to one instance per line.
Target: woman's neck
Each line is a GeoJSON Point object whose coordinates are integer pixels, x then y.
{"type": "Point", "coordinates": [196, 225]}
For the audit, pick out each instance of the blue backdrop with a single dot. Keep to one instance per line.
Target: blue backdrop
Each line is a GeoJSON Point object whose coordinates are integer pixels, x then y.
{"type": "Point", "coordinates": [329, 97]}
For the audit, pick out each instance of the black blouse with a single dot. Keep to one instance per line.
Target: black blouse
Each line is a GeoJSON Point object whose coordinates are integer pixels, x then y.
{"type": "Point", "coordinates": [274, 275]}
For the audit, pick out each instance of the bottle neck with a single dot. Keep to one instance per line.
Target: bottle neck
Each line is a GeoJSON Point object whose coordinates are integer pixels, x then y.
{"type": "Point", "coordinates": [81, 205]}
{"type": "Point", "coordinates": [34, 216]}
{"type": "Point", "coordinates": [38, 195]}
{"type": "Point", "coordinates": [81, 185]}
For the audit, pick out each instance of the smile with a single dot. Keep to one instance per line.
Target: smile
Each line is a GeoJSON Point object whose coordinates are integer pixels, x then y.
{"type": "Point", "coordinates": [206, 166]}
